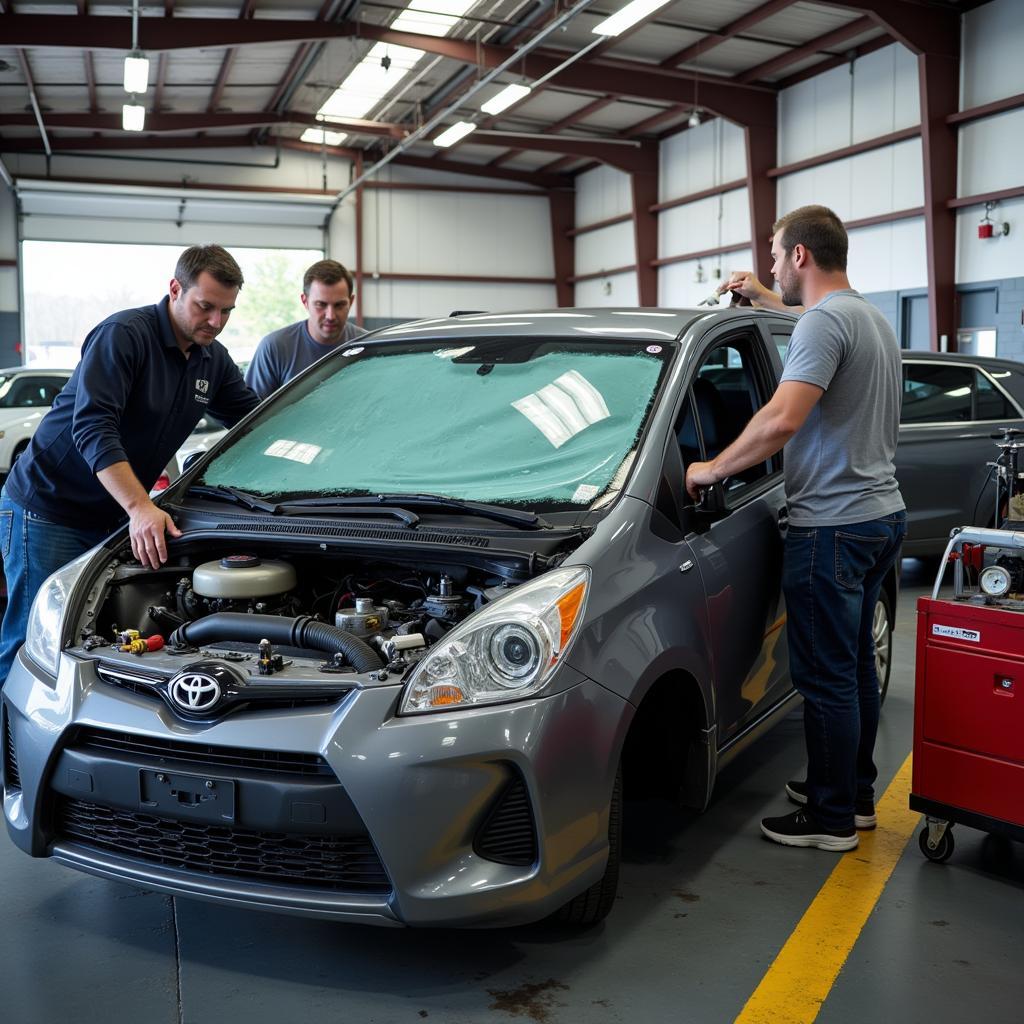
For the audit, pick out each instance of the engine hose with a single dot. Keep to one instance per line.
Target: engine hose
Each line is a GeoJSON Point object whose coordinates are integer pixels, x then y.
{"type": "Point", "coordinates": [301, 631]}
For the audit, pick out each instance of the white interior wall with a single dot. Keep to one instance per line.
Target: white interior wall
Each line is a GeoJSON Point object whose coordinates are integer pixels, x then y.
{"type": "Point", "coordinates": [415, 300]}
{"type": "Point", "coordinates": [678, 285]}
{"type": "Point", "coordinates": [701, 158]}
{"type": "Point", "coordinates": [991, 153]}
{"type": "Point", "coordinates": [992, 68]}
{"type": "Point", "coordinates": [615, 290]}
{"type": "Point", "coordinates": [705, 224]}
{"type": "Point", "coordinates": [602, 193]}
{"type": "Point", "coordinates": [874, 96]}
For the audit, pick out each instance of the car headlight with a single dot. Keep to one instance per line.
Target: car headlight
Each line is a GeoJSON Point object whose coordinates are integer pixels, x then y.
{"type": "Point", "coordinates": [506, 651]}
{"type": "Point", "coordinates": [43, 634]}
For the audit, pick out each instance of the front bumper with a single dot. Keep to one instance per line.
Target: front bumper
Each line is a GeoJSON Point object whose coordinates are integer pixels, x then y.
{"type": "Point", "coordinates": [408, 796]}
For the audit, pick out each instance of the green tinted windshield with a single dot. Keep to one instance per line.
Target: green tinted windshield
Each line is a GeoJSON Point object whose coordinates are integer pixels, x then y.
{"type": "Point", "coordinates": [540, 424]}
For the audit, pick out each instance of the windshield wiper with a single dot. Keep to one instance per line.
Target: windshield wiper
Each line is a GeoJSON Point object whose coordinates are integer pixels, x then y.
{"type": "Point", "coordinates": [324, 506]}
{"type": "Point", "coordinates": [511, 516]}
{"type": "Point", "coordinates": [235, 496]}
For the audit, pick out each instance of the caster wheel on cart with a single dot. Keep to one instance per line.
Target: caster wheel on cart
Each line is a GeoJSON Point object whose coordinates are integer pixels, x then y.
{"type": "Point", "coordinates": [943, 848]}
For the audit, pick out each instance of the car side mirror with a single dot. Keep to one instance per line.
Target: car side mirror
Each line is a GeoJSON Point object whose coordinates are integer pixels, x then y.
{"type": "Point", "coordinates": [191, 459]}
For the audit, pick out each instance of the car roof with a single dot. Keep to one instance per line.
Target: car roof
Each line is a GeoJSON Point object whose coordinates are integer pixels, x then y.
{"type": "Point", "coordinates": [11, 371]}
{"type": "Point", "coordinates": [601, 323]}
{"type": "Point", "coordinates": [992, 362]}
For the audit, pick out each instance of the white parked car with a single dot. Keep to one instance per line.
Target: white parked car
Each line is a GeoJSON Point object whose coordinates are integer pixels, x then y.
{"type": "Point", "coordinates": [26, 394]}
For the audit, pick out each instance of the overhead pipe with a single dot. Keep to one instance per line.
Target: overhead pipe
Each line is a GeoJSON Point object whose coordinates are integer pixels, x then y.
{"type": "Point", "coordinates": [428, 126]}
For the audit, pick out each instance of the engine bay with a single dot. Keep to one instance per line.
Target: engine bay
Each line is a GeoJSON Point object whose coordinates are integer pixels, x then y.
{"type": "Point", "coordinates": [288, 614]}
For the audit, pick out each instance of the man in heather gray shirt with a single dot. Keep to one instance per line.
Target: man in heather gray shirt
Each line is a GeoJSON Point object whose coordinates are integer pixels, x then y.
{"type": "Point", "coordinates": [327, 293]}
{"type": "Point", "coordinates": [836, 411]}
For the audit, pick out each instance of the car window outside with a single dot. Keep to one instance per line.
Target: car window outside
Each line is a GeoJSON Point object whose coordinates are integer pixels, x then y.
{"type": "Point", "coordinates": [725, 397]}
{"type": "Point", "coordinates": [947, 393]}
{"type": "Point", "coordinates": [26, 392]}
{"type": "Point", "coordinates": [536, 423]}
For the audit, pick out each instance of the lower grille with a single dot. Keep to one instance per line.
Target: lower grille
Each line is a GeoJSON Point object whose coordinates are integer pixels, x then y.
{"type": "Point", "coordinates": [347, 863]}
{"type": "Point", "coordinates": [508, 835]}
{"type": "Point", "coordinates": [12, 779]}
{"type": "Point", "coordinates": [200, 754]}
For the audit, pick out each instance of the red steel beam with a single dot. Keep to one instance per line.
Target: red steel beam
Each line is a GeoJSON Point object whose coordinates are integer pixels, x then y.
{"type": "Point", "coordinates": [563, 217]}
{"type": "Point", "coordinates": [644, 189]}
{"type": "Point", "coordinates": [838, 154]}
{"type": "Point", "coordinates": [986, 197]}
{"type": "Point", "coordinates": [726, 32]}
{"type": "Point", "coordinates": [538, 179]}
{"type": "Point", "coordinates": [921, 28]}
{"type": "Point", "coordinates": [987, 110]}
{"type": "Point", "coordinates": [204, 121]}
{"type": "Point", "coordinates": [834, 62]}
{"type": "Point", "coordinates": [808, 49]}
{"type": "Point", "coordinates": [939, 77]}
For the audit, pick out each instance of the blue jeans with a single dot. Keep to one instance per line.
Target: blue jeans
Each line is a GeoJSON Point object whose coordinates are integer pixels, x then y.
{"type": "Point", "coordinates": [32, 549]}
{"type": "Point", "coordinates": [831, 578]}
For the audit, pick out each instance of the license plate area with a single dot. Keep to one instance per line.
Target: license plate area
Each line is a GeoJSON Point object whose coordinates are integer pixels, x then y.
{"type": "Point", "coordinates": [196, 797]}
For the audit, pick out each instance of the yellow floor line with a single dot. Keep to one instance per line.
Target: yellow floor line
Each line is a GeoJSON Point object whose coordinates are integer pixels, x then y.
{"type": "Point", "coordinates": [802, 975]}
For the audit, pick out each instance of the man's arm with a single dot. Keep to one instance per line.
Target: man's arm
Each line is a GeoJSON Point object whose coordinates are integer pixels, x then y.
{"type": "Point", "coordinates": [234, 399]}
{"type": "Point", "coordinates": [744, 283]}
{"type": "Point", "coordinates": [766, 433]}
{"type": "Point", "coordinates": [146, 522]}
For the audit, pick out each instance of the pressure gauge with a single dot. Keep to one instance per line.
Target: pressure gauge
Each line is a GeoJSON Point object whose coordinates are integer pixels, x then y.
{"type": "Point", "coordinates": [995, 581]}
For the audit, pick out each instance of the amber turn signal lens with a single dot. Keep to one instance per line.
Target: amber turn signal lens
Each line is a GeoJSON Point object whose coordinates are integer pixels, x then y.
{"type": "Point", "coordinates": [568, 609]}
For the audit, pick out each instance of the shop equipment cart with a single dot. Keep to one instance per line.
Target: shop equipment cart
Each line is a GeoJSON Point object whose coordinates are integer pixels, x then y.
{"type": "Point", "coordinates": [969, 693]}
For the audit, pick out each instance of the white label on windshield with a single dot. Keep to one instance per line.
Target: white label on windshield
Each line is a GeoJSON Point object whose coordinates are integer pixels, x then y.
{"type": "Point", "coordinates": [958, 634]}
{"type": "Point", "coordinates": [296, 451]}
{"type": "Point", "coordinates": [584, 494]}
{"type": "Point", "coordinates": [352, 352]}
{"type": "Point", "coordinates": [563, 409]}
{"type": "Point", "coordinates": [453, 353]}
{"type": "Point", "coordinates": [654, 349]}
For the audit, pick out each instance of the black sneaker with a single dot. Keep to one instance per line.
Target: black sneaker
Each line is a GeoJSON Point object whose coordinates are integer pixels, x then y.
{"type": "Point", "coordinates": [797, 829]}
{"type": "Point", "coordinates": [864, 817]}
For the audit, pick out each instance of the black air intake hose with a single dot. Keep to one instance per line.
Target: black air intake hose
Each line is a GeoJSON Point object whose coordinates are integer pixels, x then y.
{"type": "Point", "coordinates": [302, 631]}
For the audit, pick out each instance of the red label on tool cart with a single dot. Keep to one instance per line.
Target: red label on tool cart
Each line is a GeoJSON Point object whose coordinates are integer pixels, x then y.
{"type": "Point", "coordinates": [957, 633]}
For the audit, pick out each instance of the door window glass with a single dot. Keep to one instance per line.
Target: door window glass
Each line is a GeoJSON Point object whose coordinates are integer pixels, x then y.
{"type": "Point", "coordinates": [944, 393]}
{"type": "Point", "coordinates": [721, 401]}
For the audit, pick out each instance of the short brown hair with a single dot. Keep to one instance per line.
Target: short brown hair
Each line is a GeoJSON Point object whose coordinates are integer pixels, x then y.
{"type": "Point", "coordinates": [214, 260]}
{"type": "Point", "coordinates": [327, 272]}
{"type": "Point", "coordinates": [819, 231]}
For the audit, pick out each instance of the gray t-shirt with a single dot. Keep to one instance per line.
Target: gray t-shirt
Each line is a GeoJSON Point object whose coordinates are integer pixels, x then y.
{"type": "Point", "coordinates": [839, 464]}
{"type": "Point", "coordinates": [286, 352]}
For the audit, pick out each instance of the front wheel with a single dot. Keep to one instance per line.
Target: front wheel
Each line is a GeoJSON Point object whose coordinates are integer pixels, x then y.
{"type": "Point", "coordinates": [593, 905]}
{"type": "Point", "coordinates": [881, 634]}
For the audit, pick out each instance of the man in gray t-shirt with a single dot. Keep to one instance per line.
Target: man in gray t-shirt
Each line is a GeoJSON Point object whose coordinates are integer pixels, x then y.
{"type": "Point", "coordinates": [327, 293]}
{"type": "Point", "coordinates": [836, 411]}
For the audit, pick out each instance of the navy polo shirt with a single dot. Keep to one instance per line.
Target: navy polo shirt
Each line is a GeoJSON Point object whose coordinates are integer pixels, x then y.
{"type": "Point", "coordinates": [133, 397]}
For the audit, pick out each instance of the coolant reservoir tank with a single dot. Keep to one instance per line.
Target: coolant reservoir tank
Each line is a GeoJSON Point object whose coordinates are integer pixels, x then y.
{"type": "Point", "coordinates": [241, 576]}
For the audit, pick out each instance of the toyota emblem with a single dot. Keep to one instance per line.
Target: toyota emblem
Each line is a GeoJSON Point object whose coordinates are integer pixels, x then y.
{"type": "Point", "coordinates": [194, 692]}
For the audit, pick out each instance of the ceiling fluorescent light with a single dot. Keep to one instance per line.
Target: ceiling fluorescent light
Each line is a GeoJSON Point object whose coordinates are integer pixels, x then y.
{"type": "Point", "coordinates": [627, 16]}
{"type": "Point", "coordinates": [504, 99]}
{"type": "Point", "coordinates": [136, 72]}
{"type": "Point", "coordinates": [450, 136]}
{"type": "Point", "coordinates": [133, 117]}
{"type": "Point", "coordinates": [322, 137]}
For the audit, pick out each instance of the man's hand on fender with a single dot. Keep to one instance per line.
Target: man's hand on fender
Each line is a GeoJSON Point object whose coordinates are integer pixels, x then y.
{"type": "Point", "coordinates": [147, 526]}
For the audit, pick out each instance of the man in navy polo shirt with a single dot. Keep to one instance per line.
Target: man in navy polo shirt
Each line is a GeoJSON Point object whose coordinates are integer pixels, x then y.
{"type": "Point", "coordinates": [145, 378]}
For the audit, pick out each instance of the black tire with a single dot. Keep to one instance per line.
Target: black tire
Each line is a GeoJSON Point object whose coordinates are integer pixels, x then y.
{"type": "Point", "coordinates": [593, 905]}
{"type": "Point", "coordinates": [943, 849]}
{"type": "Point", "coordinates": [881, 634]}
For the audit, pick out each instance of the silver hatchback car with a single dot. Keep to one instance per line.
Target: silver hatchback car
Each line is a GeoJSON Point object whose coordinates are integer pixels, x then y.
{"type": "Point", "coordinates": [434, 605]}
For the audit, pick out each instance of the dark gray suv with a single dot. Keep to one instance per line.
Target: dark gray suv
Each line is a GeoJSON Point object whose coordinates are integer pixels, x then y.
{"type": "Point", "coordinates": [434, 604]}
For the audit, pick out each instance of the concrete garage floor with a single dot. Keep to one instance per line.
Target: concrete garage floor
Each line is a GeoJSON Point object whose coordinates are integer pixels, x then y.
{"type": "Point", "coordinates": [705, 906]}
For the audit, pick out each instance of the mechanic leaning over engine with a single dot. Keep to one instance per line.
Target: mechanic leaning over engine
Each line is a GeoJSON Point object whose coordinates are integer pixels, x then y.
{"type": "Point", "coordinates": [145, 378]}
{"type": "Point", "coordinates": [836, 411]}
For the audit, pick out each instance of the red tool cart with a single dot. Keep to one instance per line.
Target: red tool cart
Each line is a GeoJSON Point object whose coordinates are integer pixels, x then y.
{"type": "Point", "coordinates": [969, 695]}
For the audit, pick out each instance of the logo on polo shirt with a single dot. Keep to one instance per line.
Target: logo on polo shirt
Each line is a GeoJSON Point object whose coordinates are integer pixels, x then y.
{"type": "Point", "coordinates": [202, 386]}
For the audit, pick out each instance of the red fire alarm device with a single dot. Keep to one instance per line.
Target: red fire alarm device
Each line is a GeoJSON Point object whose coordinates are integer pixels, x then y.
{"type": "Point", "coordinates": [985, 229]}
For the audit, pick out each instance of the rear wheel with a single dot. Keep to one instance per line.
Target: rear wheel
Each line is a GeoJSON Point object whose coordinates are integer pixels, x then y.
{"type": "Point", "coordinates": [594, 904]}
{"type": "Point", "coordinates": [881, 634]}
